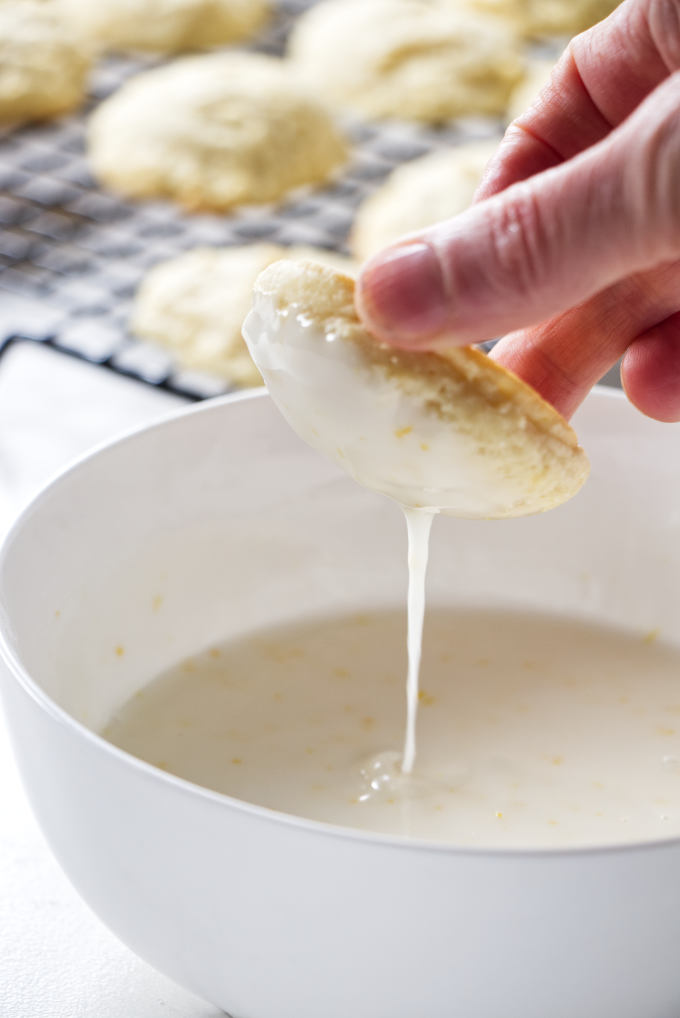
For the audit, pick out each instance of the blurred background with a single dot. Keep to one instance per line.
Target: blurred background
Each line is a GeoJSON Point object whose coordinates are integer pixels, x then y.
{"type": "Point", "coordinates": [110, 317]}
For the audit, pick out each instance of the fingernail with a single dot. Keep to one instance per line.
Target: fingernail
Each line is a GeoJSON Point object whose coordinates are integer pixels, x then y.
{"type": "Point", "coordinates": [402, 295]}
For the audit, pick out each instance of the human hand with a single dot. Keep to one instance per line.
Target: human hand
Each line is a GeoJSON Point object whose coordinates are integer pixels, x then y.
{"type": "Point", "coordinates": [572, 251]}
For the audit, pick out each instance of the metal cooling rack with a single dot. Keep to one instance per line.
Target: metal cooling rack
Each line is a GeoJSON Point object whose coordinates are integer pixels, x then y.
{"type": "Point", "coordinates": [72, 254]}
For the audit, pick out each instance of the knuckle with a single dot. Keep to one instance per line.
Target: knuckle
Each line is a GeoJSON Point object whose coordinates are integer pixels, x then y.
{"type": "Point", "coordinates": [652, 180]}
{"type": "Point", "coordinates": [519, 242]}
{"type": "Point", "coordinates": [663, 23]}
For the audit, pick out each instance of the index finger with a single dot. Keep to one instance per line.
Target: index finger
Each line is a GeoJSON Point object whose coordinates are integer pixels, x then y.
{"type": "Point", "coordinates": [603, 75]}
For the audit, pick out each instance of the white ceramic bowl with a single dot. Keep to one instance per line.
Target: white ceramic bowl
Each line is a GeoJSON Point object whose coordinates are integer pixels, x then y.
{"type": "Point", "coordinates": [227, 517]}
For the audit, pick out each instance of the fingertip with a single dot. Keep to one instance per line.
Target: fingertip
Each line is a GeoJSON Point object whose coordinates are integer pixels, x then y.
{"type": "Point", "coordinates": [401, 295]}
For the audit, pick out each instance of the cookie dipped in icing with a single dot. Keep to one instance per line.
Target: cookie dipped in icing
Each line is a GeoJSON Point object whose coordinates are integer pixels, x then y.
{"type": "Point", "coordinates": [450, 432]}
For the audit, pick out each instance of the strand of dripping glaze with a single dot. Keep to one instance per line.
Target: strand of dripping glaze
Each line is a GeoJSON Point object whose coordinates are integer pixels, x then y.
{"type": "Point", "coordinates": [418, 525]}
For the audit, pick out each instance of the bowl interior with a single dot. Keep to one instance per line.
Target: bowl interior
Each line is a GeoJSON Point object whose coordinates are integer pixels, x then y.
{"type": "Point", "coordinates": [221, 521]}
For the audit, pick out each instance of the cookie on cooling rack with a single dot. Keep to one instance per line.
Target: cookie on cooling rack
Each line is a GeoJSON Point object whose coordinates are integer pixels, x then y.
{"type": "Point", "coordinates": [212, 132]}
{"type": "Point", "coordinates": [194, 305]}
{"type": "Point", "coordinates": [547, 17]}
{"type": "Point", "coordinates": [418, 194]}
{"type": "Point", "coordinates": [451, 431]}
{"type": "Point", "coordinates": [406, 59]}
{"type": "Point", "coordinates": [167, 26]}
{"type": "Point", "coordinates": [43, 63]}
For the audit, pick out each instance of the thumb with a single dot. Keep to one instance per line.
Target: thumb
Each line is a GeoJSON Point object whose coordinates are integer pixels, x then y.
{"type": "Point", "coordinates": [543, 245]}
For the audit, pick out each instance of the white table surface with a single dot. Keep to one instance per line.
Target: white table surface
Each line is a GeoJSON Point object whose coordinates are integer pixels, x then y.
{"type": "Point", "coordinates": [56, 958]}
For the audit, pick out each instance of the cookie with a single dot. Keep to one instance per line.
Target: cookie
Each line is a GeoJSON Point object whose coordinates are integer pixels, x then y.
{"type": "Point", "coordinates": [212, 132]}
{"type": "Point", "coordinates": [409, 59]}
{"type": "Point", "coordinates": [547, 17]}
{"type": "Point", "coordinates": [418, 194]}
{"type": "Point", "coordinates": [194, 305]}
{"type": "Point", "coordinates": [44, 64]}
{"type": "Point", "coordinates": [166, 26]}
{"type": "Point", "coordinates": [451, 432]}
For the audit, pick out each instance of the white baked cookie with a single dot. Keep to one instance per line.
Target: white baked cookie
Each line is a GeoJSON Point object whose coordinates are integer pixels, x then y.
{"type": "Point", "coordinates": [452, 432]}
{"type": "Point", "coordinates": [43, 62]}
{"type": "Point", "coordinates": [547, 17]}
{"type": "Point", "coordinates": [418, 194]}
{"type": "Point", "coordinates": [410, 59]}
{"type": "Point", "coordinates": [166, 26]}
{"type": "Point", "coordinates": [537, 76]}
{"type": "Point", "coordinates": [194, 305]}
{"type": "Point", "coordinates": [213, 131]}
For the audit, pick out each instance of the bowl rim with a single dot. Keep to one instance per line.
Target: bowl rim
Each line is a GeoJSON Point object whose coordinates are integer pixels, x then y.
{"type": "Point", "coordinates": [16, 670]}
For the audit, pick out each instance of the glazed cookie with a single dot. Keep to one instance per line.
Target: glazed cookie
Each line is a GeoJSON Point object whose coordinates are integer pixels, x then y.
{"type": "Point", "coordinates": [547, 17]}
{"type": "Point", "coordinates": [451, 432]}
{"type": "Point", "coordinates": [166, 26]}
{"type": "Point", "coordinates": [410, 59]}
{"type": "Point", "coordinates": [418, 194]}
{"type": "Point", "coordinates": [195, 304]}
{"type": "Point", "coordinates": [213, 131]}
{"type": "Point", "coordinates": [43, 64]}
